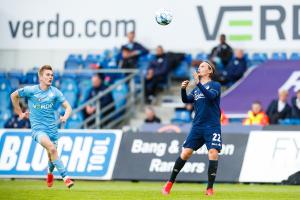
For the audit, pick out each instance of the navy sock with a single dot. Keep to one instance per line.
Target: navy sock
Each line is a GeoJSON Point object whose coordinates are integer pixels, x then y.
{"type": "Point", "coordinates": [212, 172]}
{"type": "Point", "coordinates": [176, 169]}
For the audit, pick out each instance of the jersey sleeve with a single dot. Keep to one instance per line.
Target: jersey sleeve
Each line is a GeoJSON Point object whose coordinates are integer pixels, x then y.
{"type": "Point", "coordinates": [186, 98]}
{"type": "Point", "coordinates": [212, 92]}
{"type": "Point", "coordinates": [60, 98]}
{"type": "Point", "coordinates": [25, 91]}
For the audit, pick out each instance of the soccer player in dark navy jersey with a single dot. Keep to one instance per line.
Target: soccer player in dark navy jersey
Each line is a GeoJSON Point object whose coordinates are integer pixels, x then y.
{"type": "Point", "coordinates": [206, 127]}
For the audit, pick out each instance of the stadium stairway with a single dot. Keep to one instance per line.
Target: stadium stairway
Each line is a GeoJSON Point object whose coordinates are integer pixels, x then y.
{"type": "Point", "coordinates": [164, 106]}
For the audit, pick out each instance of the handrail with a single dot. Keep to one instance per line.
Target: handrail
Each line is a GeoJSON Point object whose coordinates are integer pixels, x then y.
{"type": "Point", "coordinates": [130, 98]}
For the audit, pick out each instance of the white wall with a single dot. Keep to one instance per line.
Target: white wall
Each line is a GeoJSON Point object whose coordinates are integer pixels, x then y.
{"type": "Point", "coordinates": [21, 21]}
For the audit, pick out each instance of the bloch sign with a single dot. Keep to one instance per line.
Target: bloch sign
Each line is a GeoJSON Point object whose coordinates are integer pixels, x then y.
{"type": "Point", "coordinates": [85, 154]}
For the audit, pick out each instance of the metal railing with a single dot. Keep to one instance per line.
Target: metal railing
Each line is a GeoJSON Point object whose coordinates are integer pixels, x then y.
{"type": "Point", "coordinates": [135, 95]}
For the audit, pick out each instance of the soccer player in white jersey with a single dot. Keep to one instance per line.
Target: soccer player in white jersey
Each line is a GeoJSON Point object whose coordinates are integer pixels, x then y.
{"type": "Point", "coordinates": [42, 101]}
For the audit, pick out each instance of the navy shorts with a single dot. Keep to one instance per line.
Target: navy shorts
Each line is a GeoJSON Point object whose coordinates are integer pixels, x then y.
{"type": "Point", "coordinates": [199, 136]}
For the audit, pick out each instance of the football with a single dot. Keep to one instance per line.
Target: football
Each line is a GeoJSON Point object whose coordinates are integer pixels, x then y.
{"type": "Point", "coordinates": [163, 17]}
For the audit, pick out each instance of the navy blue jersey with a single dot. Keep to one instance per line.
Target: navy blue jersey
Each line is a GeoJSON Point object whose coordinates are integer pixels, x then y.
{"type": "Point", "coordinates": [206, 100]}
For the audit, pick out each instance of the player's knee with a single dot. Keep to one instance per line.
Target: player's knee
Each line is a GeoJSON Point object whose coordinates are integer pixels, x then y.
{"type": "Point", "coordinates": [185, 155]}
{"type": "Point", "coordinates": [52, 150]}
{"type": "Point", "coordinates": [213, 154]}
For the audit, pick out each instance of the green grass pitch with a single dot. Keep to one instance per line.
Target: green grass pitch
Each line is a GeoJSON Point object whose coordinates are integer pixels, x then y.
{"type": "Point", "coordinates": [106, 190]}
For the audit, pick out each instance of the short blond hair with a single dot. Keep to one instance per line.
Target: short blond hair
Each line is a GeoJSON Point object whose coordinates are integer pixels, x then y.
{"type": "Point", "coordinates": [43, 68]}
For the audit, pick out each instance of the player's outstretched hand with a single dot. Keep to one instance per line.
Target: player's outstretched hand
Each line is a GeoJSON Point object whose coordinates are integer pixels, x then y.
{"type": "Point", "coordinates": [184, 84]}
{"type": "Point", "coordinates": [24, 115]}
{"type": "Point", "coordinates": [196, 77]}
{"type": "Point", "coordinates": [63, 119]}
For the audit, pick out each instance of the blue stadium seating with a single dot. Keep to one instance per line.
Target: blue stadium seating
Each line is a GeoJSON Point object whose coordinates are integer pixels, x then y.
{"type": "Point", "coordinates": [258, 58]}
{"type": "Point", "coordinates": [74, 121]}
{"type": "Point", "coordinates": [181, 71]}
{"type": "Point", "coordinates": [68, 84]}
{"type": "Point", "coordinates": [5, 114]}
{"type": "Point", "coordinates": [31, 77]}
{"type": "Point", "coordinates": [119, 95]}
{"type": "Point", "coordinates": [84, 86]}
{"type": "Point", "coordinates": [295, 56]}
{"type": "Point", "coordinates": [90, 61]}
{"type": "Point", "coordinates": [289, 121]}
{"type": "Point", "coordinates": [279, 56]}
{"type": "Point", "coordinates": [181, 116]}
{"type": "Point", "coordinates": [5, 90]}
{"type": "Point", "coordinates": [71, 97]}
{"type": "Point", "coordinates": [202, 56]}
{"type": "Point", "coordinates": [2, 75]}
{"type": "Point", "coordinates": [73, 62]}
{"type": "Point", "coordinates": [16, 74]}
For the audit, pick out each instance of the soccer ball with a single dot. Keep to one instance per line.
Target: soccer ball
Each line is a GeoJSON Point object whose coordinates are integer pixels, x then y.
{"type": "Point", "coordinates": [163, 17]}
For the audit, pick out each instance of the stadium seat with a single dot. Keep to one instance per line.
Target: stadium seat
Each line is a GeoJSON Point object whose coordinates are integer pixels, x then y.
{"type": "Point", "coordinates": [16, 74]}
{"type": "Point", "coordinates": [31, 77]}
{"type": "Point", "coordinates": [74, 121]}
{"type": "Point", "coordinates": [14, 83]}
{"type": "Point", "coordinates": [73, 62]}
{"type": "Point", "coordinates": [279, 56]}
{"type": "Point", "coordinates": [2, 75]}
{"type": "Point", "coordinates": [289, 121]}
{"type": "Point", "coordinates": [5, 90]}
{"type": "Point", "coordinates": [181, 116]}
{"type": "Point", "coordinates": [68, 84]}
{"type": "Point", "coordinates": [201, 56]}
{"type": "Point", "coordinates": [90, 62]}
{"type": "Point", "coordinates": [68, 75]}
{"type": "Point", "coordinates": [258, 58]}
{"type": "Point", "coordinates": [71, 97]}
{"type": "Point", "coordinates": [4, 116]}
{"type": "Point", "coordinates": [84, 86]}
{"type": "Point", "coordinates": [181, 71]}
{"type": "Point", "coordinates": [119, 95]}
{"type": "Point", "coordinates": [295, 56]}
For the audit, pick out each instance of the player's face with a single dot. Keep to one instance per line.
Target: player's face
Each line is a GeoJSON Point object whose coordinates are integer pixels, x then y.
{"type": "Point", "coordinates": [204, 70]}
{"type": "Point", "coordinates": [47, 77]}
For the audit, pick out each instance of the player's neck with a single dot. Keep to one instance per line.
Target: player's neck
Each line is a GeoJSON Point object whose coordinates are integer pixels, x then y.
{"type": "Point", "coordinates": [43, 86]}
{"type": "Point", "coordinates": [205, 79]}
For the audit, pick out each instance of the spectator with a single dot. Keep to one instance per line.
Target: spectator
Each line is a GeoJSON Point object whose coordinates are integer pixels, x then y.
{"type": "Point", "coordinates": [256, 116]}
{"type": "Point", "coordinates": [131, 52]}
{"type": "Point", "coordinates": [279, 109]}
{"type": "Point", "coordinates": [16, 122]}
{"type": "Point", "coordinates": [159, 69]}
{"type": "Point", "coordinates": [221, 54]}
{"type": "Point", "coordinates": [150, 115]}
{"type": "Point", "coordinates": [224, 118]}
{"type": "Point", "coordinates": [296, 105]}
{"type": "Point", "coordinates": [234, 70]}
{"type": "Point", "coordinates": [98, 87]}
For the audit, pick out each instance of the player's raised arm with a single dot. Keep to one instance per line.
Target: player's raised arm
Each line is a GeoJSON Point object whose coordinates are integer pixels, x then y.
{"type": "Point", "coordinates": [68, 111]}
{"type": "Point", "coordinates": [210, 93]}
{"type": "Point", "coordinates": [186, 98]}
